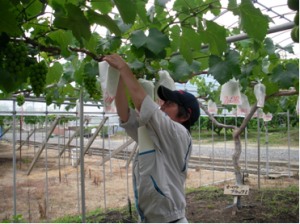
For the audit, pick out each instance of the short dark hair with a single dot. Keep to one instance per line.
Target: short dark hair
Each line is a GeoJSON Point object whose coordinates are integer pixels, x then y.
{"type": "Point", "coordinates": [182, 112]}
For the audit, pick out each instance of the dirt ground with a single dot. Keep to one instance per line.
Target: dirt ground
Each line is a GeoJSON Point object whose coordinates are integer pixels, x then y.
{"type": "Point", "coordinates": [63, 195]}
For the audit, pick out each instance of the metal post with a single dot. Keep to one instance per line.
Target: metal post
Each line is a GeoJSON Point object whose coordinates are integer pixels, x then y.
{"type": "Point", "coordinates": [225, 157]}
{"type": "Point", "coordinates": [82, 159]}
{"type": "Point", "coordinates": [199, 151]}
{"type": "Point", "coordinates": [246, 133]}
{"type": "Point", "coordinates": [213, 154]}
{"type": "Point", "coordinates": [78, 198]}
{"type": "Point", "coordinates": [111, 174]}
{"type": "Point", "coordinates": [46, 118]}
{"type": "Point", "coordinates": [267, 150]}
{"type": "Point", "coordinates": [127, 166]}
{"type": "Point", "coordinates": [103, 132]}
{"type": "Point", "coordinates": [289, 142]}
{"type": "Point", "coordinates": [59, 172]}
{"type": "Point", "coordinates": [14, 158]}
{"type": "Point", "coordinates": [258, 149]}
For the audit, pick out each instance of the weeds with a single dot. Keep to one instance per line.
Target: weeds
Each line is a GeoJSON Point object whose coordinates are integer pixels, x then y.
{"type": "Point", "coordinates": [43, 209]}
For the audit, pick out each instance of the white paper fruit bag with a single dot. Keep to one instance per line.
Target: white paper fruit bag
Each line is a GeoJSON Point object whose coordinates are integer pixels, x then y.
{"type": "Point", "coordinates": [261, 113]}
{"type": "Point", "coordinates": [260, 93]}
{"type": "Point", "coordinates": [165, 80]}
{"type": "Point", "coordinates": [297, 107]}
{"type": "Point", "coordinates": [230, 93]}
{"type": "Point", "coordinates": [244, 108]}
{"type": "Point", "coordinates": [109, 78]}
{"type": "Point", "coordinates": [148, 86]}
{"type": "Point", "coordinates": [267, 117]}
{"type": "Point", "coordinates": [212, 107]}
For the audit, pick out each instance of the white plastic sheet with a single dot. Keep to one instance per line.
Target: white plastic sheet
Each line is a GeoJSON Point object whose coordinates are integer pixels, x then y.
{"type": "Point", "coordinates": [297, 107]}
{"type": "Point", "coordinates": [148, 87]}
{"type": "Point", "coordinates": [261, 115]}
{"type": "Point", "coordinates": [109, 78]}
{"type": "Point", "coordinates": [260, 93]}
{"type": "Point", "coordinates": [267, 117]}
{"type": "Point", "coordinates": [165, 80]}
{"type": "Point", "coordinates": [212, 107]}
{"type": "Point", "coordinates": [230, 93]}
{"type": "Point", "coordinates": [244, 108]}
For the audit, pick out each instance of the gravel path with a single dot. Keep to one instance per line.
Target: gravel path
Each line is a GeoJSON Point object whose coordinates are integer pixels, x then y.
{"type": "Point", "coordinates": [275, 154]}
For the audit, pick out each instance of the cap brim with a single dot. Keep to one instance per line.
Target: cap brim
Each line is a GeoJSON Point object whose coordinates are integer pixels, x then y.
{"type": "Point", "coordinates": [166, 94]}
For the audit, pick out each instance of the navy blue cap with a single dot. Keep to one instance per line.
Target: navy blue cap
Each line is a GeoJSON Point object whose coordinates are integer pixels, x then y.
{"type": "Point", "coordinates": [183, 98]}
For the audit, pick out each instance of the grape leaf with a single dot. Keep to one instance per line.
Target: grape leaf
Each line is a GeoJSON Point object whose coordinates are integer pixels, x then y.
{"type": "Point", "coordinates": [215, 36]}
{"type": "Point", "coordinates": [157, 41]}
{"type": "Point", "coordinates": [127, 9]}
{"type": "Point", "coordinates": [175, 35]}
{"type": "Point", "coordinates": [274, 58]}
{"type": "Point", "coordinates": [216, 9]}
{"type": "Point", "coordinates": [141, 11]}
{"type": "Point", "coordinates": [232, 6]}
{"type": "Point", "coordinates": [224, 70]}
{"type": "Point", "coordinates": [6, 82]}
{"type": "Point", "coordinates": [103, 20]}
{"type": "Point", "coordinates": [110, 43]}
{"type": "Point", "coordinates": [63, 39]}
{"type": "Point", "coordinates": [8, 22]}
{"type": "Point", "coordinates": [138, 38]}
{"type": "Point", "coordinates": [103, 6]}
{"type": "Point", "coordinates": [270, 106]}
{"type": "Point", "coordinates": [34, 8]}
{"type": "Point", "coordinates": [137, 65]}
{"type": "Point", "coordinates": [91, 44]}
{"type": "Point", "coordinates": [69, 89]}
{"type": "Point", "coordinates": [296, 85]}
{"type": "Point", "coordinates": [252, 21]}
{"type": "Point", "coordinates": [269, 45]}
{"type": "Point", "coordinates": [270, 86]}
{"type": "Point", "coordinates": [78, 73]}
{"type": "Point", "coordinates": [285, 77]}
{"type": "Point", "coordinates": [123, 27]}
{"type": "Point", "coordinates": [75, 21]}
{"type": "Point", "coordinates": [54, 74]}
{"type": "Point", "coordinates": [91, 70]}
{"type": "Point", "coordinates": [189, 40]}
{"type": "Point", "coordinates": [180, 69]}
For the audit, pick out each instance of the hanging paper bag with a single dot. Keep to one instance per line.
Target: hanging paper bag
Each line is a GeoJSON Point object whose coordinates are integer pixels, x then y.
{"type": "Point", "coordinates": [244, 108]}
{"type": "Point", "coordinates": [260, 93]}
{"type": "Point", "coordinates": [267, 117]}
{"type": "Point", "coordinates": [261, 113]}
{"type": "Point", "coordinates": [109, 78]}
{"type": "Point", "coordinates": [230, 93]}
{"type": "Point", "coordinates": [148, 86]}
{"type": "Point", "coordinates": [212, 107]}
{"type": "Point", "coordinates": [297, 107]}
{"type": "Point", "coordinates": [165, 80]}
{"type": "Point", "coordinates": [234, 111]}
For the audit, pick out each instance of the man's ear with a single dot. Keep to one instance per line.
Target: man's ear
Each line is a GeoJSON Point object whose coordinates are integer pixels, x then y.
{"type": "Point", "coordinates": [183, 119]}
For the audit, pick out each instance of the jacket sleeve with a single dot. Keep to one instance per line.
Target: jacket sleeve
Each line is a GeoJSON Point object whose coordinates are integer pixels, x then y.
{"type": "Point", "coordinates": [161, 128]}
{"type": "Point", "coordinates": [131, 125]}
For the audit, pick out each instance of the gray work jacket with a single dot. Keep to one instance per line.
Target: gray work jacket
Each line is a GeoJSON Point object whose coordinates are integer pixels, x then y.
{"type": "Point", "coordinates": [159, 174]}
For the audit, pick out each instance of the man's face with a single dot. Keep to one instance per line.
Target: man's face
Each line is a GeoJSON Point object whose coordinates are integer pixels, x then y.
{"type": "Point", "coordinates": [171, 109]}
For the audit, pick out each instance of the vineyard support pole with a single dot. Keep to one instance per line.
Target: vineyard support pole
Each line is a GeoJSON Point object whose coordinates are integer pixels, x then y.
{"type": "Point", "coordinates": [213, 150]}
{"type": "Point", "coordinates": [27, 140]}
{"type": "Point", "coordinates": [82, 159]}
{"type": "Point", "coordinates": [103, 135]}
{"type": "Point", "coordinates": [267, 150]}
{"type": "Point", "coordinates": [78, 198]}
{"type": "Point", "coordinates": [289, 149]}
{"type": "Point", "coordinates": [246, 165]}
{"type": "Point", "coordinates": [258, 149]}
{"type": "Point", "coordinates": [47, 195]}
{"type": "Point", "coordinates": [199, 150]}
{"type": "Point", "coordinates": [20, 143]}
{"type": "Point", "coordinates": [225, 146]}
{"type": "Point", "coordinates": [59, 172]}
{"type": "Point", "coordinates": [53, 125]}
{"type": "Point", "coordinates": [111, 174]}
{"type": "Point", "coordinates": [14, 159]}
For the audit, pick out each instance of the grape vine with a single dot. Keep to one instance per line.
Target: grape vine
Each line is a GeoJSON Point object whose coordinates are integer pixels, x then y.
{"type": "Point", "coordinates": [20, 100]}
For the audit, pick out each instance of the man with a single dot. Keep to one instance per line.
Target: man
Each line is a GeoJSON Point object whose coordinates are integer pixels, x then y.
{"type": "Point", "coordinates": [160, 166]}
